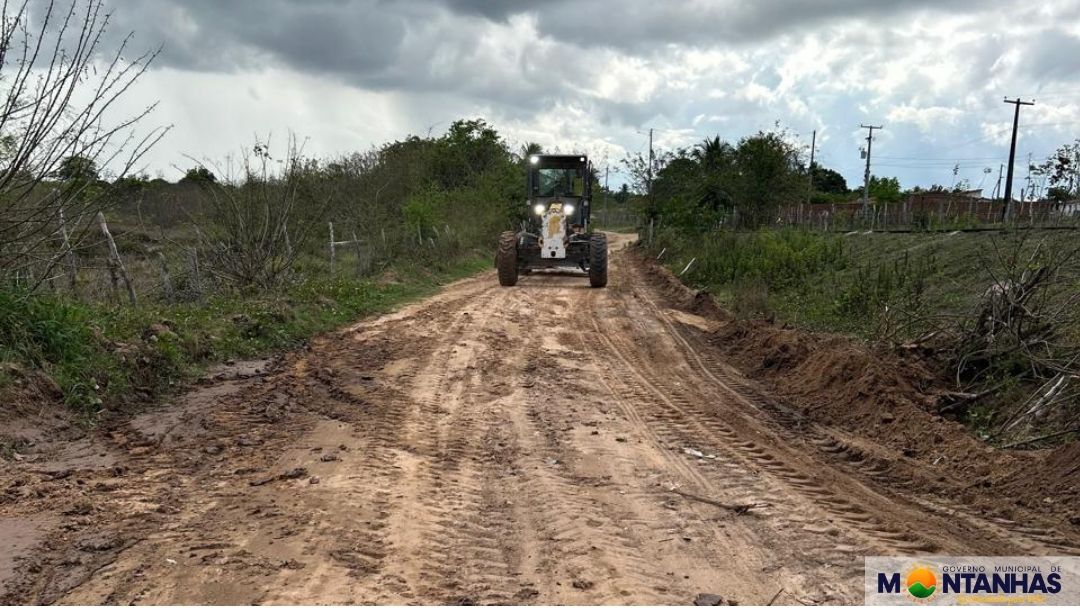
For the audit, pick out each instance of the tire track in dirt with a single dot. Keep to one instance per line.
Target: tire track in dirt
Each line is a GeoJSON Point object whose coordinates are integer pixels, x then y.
{"type": "Point", "coordinates": [567, 507]}
{"type": "Point", "coordinates": [450, 558]}
{"type": "Point", "coordinates": [725, 475]}
{"type": "Point", "coordinates": [678, 413]}
{"type": "Point", "coordinates": [548, 443]}
{"type": "Point", "coordinates": [1023, 539]}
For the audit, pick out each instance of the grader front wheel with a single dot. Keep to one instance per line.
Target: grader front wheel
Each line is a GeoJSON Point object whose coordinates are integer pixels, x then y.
{"type": "Point", "coordinates": [506, 259]}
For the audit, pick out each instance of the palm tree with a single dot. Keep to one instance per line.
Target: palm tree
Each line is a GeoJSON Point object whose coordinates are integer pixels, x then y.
{"type": "Point", "coordinates": [712, 153]}
{"type": "Point", "coordinates": [713, 157]}
{"type": "Point", "coordinates": [529, 149]}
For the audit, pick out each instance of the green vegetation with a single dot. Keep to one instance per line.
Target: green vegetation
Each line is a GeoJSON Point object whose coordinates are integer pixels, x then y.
{"type": "Point", "coordinates": [997, 313]}
{"type": "Point", "coordinates": [874, 286]}
{"type": "Point", "coordinates": [745, 185]}
{"type": "Point", "coordinates": [997, 310]}
{"type": "Point", "coordinates": [238, 266]}
{"type": "Point", "coordinates": [103, 355]}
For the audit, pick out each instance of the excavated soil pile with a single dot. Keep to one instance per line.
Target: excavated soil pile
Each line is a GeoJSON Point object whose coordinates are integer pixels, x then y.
{"type": "Point", "coordinates": [890, 402]}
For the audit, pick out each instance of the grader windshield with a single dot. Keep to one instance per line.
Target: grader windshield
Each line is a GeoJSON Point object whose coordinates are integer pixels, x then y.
{"type": "Point", "coordinates": [559, 182]}
{"type": "Point", "coordinates": [558, 176]}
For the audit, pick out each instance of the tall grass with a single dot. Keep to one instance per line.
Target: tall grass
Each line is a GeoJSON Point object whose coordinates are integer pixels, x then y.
{"type": "Point", "coordinates": [813, 278]}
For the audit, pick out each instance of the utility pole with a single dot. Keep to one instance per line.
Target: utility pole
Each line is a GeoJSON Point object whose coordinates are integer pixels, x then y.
{"type": "Point", "coordinates": [997, 188]}
{"type": "Point", "coordinates": [607, 210]}
{"type": "Point", "coordinates": [813, 146]}
{"type": "Point", "coordinates": [649, 184]}
{"type": "Point", "coordinates": [866, 176]}
{"type": "Point", "coordinates": [1027, 180]}
{"type": "Point", "coordinates": [1012, 155]}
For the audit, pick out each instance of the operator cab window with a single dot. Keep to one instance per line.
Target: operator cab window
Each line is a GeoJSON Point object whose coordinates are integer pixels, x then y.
{"type": "Point", "coordinates": [558, 182]}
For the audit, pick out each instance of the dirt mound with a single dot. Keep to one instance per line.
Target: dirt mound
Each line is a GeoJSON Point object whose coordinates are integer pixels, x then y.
{"type": "Point", "coordinates": [865, 388]}
{"type": "Point", "coordinates": [887, 403]}
{"type": "Point", "coordinates": [1053, 478]}
{"type": "Point", "coordinates": [31, 411]}
{"type": "Point", "coordinates": [893, 400]}
{"type": "Point", "coordinates": [676, 292]}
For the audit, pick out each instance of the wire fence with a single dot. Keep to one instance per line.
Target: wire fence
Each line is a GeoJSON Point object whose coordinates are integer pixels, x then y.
{"type": "Point", "coordinates": [931, 211]}
{"type": "Point", "coordinates": [613, 217]}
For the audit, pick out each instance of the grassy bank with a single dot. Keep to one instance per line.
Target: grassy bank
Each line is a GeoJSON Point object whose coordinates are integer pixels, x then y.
{"type": "Point", "coordinates": [98, 356]}
{"type": "Point", "coordinates": [873, 286]}
{"type": "Point", "coordinates": [994, 313]}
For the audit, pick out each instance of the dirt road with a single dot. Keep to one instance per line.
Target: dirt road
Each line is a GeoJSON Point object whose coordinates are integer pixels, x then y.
{"type": "Point", "coordinates": [548, 443]}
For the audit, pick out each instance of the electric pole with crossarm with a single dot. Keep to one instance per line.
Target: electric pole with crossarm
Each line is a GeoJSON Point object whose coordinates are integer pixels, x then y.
{"type": "Point", "coordinates": [866, 176]}
{"type": "Point", "coordinates": [1012, 155]}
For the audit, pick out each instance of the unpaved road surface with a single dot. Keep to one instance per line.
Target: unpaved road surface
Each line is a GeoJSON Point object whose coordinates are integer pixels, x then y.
{"type": "Point", "coordinates": [548, 443]}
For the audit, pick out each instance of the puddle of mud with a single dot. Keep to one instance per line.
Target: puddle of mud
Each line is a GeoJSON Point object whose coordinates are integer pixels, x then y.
{"type": "Point", "coordinates": [238, 370]}
{"type": "Point", "coordinates": [19, 535]}
{"type": "Point", "coordinates": [182, 417]}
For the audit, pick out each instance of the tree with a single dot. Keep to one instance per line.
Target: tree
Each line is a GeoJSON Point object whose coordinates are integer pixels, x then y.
{"type": "Point", "coordinates": [828, 181]}
{"type": "Point", "coordinates": [529, 149]}
{"type": "Point", "coordinates": [715, 181]}
{"type": "Point", "coordinates": [769, 176]}
{"type": "Point", "coordinates": [469, 148]}
{"type": "Point", "coordinates": [77, 168]}
{"type": "Point", "coordinates": [717, 165]}
{"type": "Point", "coordinates": [1062, 168]}
{"type": "Point", "coordinates": [60, 89]}
{"type": "Point", "coordinates": [199, 175]}
{"type": "Point", "coordinates": [885, 189]}
{"type": "Point", "coordinates": [1057, 194]}
{"type": "Point", "coordinates": [637, 166]}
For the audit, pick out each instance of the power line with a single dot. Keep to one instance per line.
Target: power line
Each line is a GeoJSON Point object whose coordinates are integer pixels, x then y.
{"type": "Point", "coordinates": [938, 161]}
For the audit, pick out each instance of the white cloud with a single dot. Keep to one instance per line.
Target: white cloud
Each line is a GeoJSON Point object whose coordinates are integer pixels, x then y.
{"type": "Point", "coordinates": [927, 119]}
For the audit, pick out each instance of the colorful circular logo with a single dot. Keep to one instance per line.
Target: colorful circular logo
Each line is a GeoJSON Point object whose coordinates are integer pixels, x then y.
{"type": "Point", "coordinates": [921, 583]}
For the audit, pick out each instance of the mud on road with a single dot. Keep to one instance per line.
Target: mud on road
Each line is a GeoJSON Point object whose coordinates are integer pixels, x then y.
{"type": "Point", "coordinates": [548, 443]}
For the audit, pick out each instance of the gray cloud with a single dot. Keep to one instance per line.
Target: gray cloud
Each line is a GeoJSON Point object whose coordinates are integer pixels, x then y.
{"type": "Point", "coordinates": [600, 71]}
{"type": "Point", "coordinates": [1054, 56]}
{"type": "Point", "coordinates": [363, 41]}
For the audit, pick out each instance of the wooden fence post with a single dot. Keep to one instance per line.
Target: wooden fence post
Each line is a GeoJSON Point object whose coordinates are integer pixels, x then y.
{"type": "Point", "coordinates": [166, 280]}
{"type": "Point", "coordinates": [117, 265]}
{"type": "Point", "coordinates": [359, 255]}
{"type": "Point", "coordinates": [69, 255]}
{"type": "Point", "coordinates": [331, 248]}
{"type": "Point", "coordinates": [196, 278]}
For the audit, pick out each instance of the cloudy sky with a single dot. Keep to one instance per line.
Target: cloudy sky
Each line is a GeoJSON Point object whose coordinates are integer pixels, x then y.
{"type": "Point", "coordinates": [595, 75]}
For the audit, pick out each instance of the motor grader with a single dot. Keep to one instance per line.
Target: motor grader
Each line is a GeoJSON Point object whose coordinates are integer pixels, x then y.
{"type": "Point", "coordinates": [556, 235]}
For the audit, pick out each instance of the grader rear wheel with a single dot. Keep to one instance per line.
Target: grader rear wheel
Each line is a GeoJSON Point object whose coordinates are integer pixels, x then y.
{"type": "Point", "coordinates": [598, 260]}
